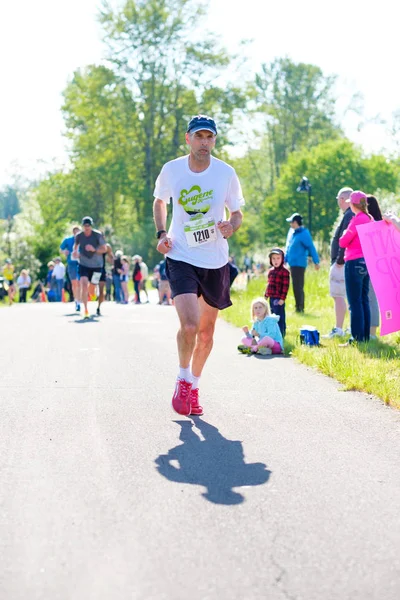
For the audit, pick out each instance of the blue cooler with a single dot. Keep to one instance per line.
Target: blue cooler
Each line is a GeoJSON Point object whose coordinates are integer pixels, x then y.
{"type": "Point", "coordinates": [309, 336]}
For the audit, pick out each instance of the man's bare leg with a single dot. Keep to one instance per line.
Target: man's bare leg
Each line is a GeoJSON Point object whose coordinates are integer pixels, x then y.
{"type": "Point", "coordinates": [84, 292]}
{"type": "Point", "coordinates": [188, 309]}
{"type": "Point", "coordinates": [76, 290]}
{"type": "Point", "coordinates": [102, 285]}
{"type": "Point", "coordinates": [340, 311]}
{"type": "Point", "coordinates": [205, 336]}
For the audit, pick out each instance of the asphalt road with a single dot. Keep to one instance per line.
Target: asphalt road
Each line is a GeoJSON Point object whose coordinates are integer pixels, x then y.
{"type": "Point", "coordinates": [287, 488]}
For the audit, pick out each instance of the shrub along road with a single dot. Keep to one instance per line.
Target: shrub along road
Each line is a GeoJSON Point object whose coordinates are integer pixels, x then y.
{"type": "Point", "coordinates": [286, 488]}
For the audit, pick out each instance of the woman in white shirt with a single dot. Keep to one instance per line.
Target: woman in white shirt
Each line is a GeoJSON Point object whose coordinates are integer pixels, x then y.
{"type": "Point", "coordinates": [24, 283]}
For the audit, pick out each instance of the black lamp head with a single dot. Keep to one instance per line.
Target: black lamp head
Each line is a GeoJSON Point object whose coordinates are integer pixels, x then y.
{"type": "Point", "coordinates": [304, 185]}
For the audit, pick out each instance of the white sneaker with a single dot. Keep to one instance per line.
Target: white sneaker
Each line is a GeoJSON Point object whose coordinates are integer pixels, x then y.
{"type": "Point", "coordinates": [264, 351]}
{"type": "Point", "coordinates": [336, 332]}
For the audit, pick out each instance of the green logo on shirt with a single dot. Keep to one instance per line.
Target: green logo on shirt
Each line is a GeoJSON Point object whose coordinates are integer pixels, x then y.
{"type": "Point", "coordinates": [195, 201]}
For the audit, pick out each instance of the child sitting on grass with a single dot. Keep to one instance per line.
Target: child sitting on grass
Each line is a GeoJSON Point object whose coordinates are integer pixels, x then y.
{"type": "Point", "coordinates": [265, 336]}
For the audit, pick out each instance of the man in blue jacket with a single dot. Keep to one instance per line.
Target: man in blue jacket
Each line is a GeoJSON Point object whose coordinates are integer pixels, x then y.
{"type": "Point", "coordinates": [300, 246]}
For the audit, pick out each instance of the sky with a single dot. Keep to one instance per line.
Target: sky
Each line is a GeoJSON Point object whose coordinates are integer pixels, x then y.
{"type": "Point", "coordinates": [42, 42]}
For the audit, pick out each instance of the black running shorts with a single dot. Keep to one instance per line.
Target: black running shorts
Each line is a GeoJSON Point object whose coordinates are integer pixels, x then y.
{"type": "Point", "coordinates": [88, 271]}
{"type": "Point", "coordinates": [212, 284]}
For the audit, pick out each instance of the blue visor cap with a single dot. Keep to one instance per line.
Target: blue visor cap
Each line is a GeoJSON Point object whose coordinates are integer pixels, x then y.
{"type": "Point", "coordinates": [201, 122]}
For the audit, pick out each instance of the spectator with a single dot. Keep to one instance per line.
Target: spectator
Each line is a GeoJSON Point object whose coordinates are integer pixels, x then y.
{"type": "Point", "coordinates": [58, 274]}
{"type": "Point", "coordinates": [109, 283]}
{"type": "Point", "coordinates": [116, 275]}
{"type": "Point", "coordinates": [164, 290]}
{"type": "Point", "coordinates": [300, 246]}
{"type": "Point", "coordinates": [23, 283]}
{"type": "Point", "coordinates": [356, 272]}
{"type": "Point", "coordinates": [39, 293]}
{"type": "Point", "coordinates": [278, 286]}
{"type": "Point", "coordinates": [264, 336]}
{"type": "Point", "coordinates": [375, 212]}
{"type": "Point", "coordinates": [50, 282]}
{"type": "Point", "coordinates": [337, 286]}
{"type": "Point", "coordinates": [137, 277]}
{"type": "Point", "coordinates": [145, 275]}
{"type": "Point", "coordinates": [124, 279]}
{"type": "Point", "coordinates": [391, 218]}
{"type": "Point", "coordinates": [247, 263]}
{"type": "Point", "coordinates": [8, 272]}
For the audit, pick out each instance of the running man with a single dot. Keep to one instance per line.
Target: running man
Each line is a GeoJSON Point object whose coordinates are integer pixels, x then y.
{"type": "Point", "coordinates": [201, 188]}
{"type": "Point", "coordinates": [67, 247]}
{"type": "Point", "coordinates": [91, 245]}
{"type": "Point", "coordinates": [109, 257]}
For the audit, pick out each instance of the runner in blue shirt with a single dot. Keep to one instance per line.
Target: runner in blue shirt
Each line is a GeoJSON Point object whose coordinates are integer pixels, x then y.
{"type": "Point", "coordinates": [67, 246]}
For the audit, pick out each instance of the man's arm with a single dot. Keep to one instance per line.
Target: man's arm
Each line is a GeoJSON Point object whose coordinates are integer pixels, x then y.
{"type": "Point", "coordinates": [228, 228]}
{"type": "Point", "coordinates": [110, 254]}
{"type": "Point", "coordinates": [101, 249]}
{"type": "Point", "coordinates": [63, 248]}
{"type": "Point", "coordinates": [75, 253]}
{"type": "Point", "coordinates": [342, 227]}
{"type": "Point", "coordinates": [160, 214]}
{"type": "Point", "coordinates": [311, 248]}
{"type": "Point", "coordinates": [160, 220]}
{"type": "Point", "coordinates": [236, 219]}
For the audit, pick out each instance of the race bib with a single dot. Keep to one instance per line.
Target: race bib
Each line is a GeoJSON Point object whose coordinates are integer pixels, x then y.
{"type": "Point", "coordinates": [200, 230]}
{"type": "Point", "coordinates": [95, 278]}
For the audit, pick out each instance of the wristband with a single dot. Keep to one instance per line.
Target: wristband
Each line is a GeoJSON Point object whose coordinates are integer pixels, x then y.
{"type": "Point", "coordinates": [160, 232]}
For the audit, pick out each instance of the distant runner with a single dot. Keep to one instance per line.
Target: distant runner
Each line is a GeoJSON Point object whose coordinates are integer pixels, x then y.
{"type": "Point", "coordinates": [67, 247]}
{"type": "Point", "coordinates": [201, 188]}
{"type": "Point", "coordinates": [107, 256]}
{"type": "Point", "coordinates": [91, 246]}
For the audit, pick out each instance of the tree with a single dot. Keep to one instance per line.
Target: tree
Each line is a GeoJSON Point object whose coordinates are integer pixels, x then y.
{"type": "Point", "coordinates": [254, 173]}
{"type": "Point", "coordinates": [299, 107]}
{"type": "Point", "coordinates": [329, 167]}
{"type": "Point", "coordinates": [9, 203]}
{"type": "Point", "coordinates": [169, 65]}
{"type": "Point", "coordinates": [49, 216]}
{"type": "Point", "coordinates": [101, 121]}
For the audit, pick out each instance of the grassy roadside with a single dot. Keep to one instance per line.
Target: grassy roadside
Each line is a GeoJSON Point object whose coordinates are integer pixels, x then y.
{"type": "Point", "coordinates": [373, 368]}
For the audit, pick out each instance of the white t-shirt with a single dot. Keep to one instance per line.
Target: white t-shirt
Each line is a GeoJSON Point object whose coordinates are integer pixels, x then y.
{"type": "Point", "coordinates": [23, 282]}
{"type": "Point", "coordinates": [144, 270]}
{"type": "Point", "coordinates": [194, 195]}
{"type": "Point", "coordinates": [58, 271]}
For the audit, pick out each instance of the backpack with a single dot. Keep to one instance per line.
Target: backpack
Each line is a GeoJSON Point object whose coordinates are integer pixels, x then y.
{"type": "Point", "coordinates": [309, 336]}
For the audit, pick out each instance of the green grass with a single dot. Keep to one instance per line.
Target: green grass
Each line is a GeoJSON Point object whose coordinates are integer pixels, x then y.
{"type": "Point", "coordinates": [373, 368]}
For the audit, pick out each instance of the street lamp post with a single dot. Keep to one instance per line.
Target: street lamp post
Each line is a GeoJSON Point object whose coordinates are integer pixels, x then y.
{"type": "Point", "coordinates": [305, 187]}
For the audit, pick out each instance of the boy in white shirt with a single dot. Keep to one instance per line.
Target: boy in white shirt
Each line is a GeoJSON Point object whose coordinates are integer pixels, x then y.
{"type": "Point", "coordinates": [58, 276]}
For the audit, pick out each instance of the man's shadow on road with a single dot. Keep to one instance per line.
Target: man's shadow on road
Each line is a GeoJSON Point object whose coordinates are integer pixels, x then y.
{"type": "Point", "coordinates": [82, 320]}
{"type": "Point", "coordinates": [215, 463]}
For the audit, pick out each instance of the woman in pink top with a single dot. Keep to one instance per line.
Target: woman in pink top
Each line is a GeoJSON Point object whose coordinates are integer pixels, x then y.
{"type": "Point", "coordinates": [355, 269]}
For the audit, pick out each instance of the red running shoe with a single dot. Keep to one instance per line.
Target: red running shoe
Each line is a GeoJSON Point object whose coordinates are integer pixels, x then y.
{"type": "Point", "coordinates": [181, 397]}
{"type": "Point", "coordinates": [194, 402]}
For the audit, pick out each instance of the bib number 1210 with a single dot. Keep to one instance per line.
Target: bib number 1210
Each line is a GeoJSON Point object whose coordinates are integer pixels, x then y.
{"type": "Point", "coordinates": [202, 235]}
